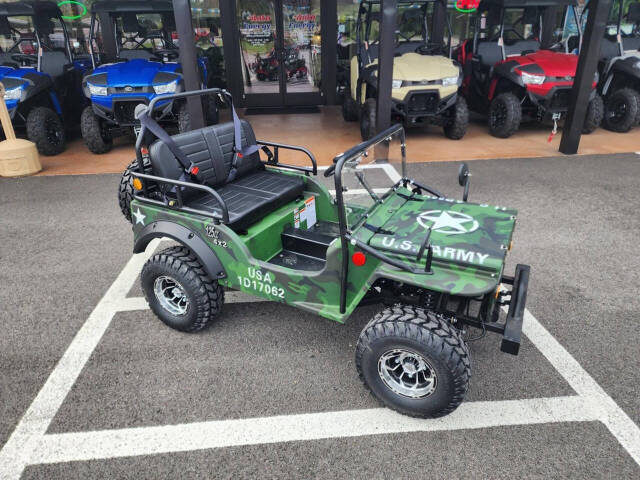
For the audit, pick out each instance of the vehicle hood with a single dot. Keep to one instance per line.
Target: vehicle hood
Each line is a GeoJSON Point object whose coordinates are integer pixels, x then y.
{"type": "Point", "coordinates": [134, 73]}
{"type": "Point", "coordinates": [463, 234]}
{"type": "Point", "coordinates": [552, 64]}
{"type": "Point", "coordinates": [11, 72]}
{"type": "Point", "coordinates": [415, 67]}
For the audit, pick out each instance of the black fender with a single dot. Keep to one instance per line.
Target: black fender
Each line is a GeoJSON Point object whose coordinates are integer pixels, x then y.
{"type": "Point", "coordinates": [187, 238]}
{"type": "Point", "coordinates": [628, 68]}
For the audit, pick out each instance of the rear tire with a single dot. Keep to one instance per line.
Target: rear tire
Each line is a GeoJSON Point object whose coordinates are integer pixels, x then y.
{"type": "Point", "coordinates": [179, 291]}
{"type": "Point", "coordinates": [638, 101]}
{"type": "Point", "coordinates": [96, 139]}
{"type": "Point", "coordinates": [349, 108]}
{"type": "Point", "coordinates": [368, 119]}
{"type": "Point", "coordinates": [595, 112]}
{"type": "Point", "coordinates": [621, 110]}
{"type": "Point", "coordinates": [45, 129]}
{"type": "Point", "coordinates": [505, 115]}
{"type": "Point", "coordinates": [456, 126]}
{"type": "Point", "coordinates": [429, 343]}
{"type": "Point", "coordinates": [125, 189]}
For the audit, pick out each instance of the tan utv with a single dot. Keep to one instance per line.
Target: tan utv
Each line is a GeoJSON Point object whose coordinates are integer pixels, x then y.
{"type": "Point", "coordinates": [425, 78]}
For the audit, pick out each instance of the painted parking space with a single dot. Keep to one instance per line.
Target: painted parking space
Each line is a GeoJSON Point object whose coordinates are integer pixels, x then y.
{"type": "Point", "coordinates": [33, 442]}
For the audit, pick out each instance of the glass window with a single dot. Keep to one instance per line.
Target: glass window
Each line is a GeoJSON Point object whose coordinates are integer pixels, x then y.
{"type": "Point", "coordinates": [21, 39]}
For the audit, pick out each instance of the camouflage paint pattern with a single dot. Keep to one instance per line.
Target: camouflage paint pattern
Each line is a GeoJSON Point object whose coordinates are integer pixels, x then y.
{"type": "Point", "coordinates": [468, 263]}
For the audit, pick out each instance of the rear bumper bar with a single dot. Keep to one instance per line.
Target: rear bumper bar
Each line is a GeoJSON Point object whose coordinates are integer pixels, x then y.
{"type": "Point", "coordinates": [513, 325]}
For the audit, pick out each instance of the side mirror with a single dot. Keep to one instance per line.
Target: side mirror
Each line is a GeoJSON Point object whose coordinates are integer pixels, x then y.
{"type": "Point", "coordinates": [463, 180]}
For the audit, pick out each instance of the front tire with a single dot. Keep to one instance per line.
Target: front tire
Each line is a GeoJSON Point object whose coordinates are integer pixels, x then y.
{"type": "Point", "coordinates": [505, 115]}
{"type": "Point", "coordinates": [414, 362]}
{"type": "Point", "coordinates": [621, 110]}
{"type": "Point", "coordinates": [368, 119]}
{"type": "Point", "coordinates": [349, 108]}
{"type": "Point", "coordinates": [45, 129]}
{"type": "Point", "coordinates": [95, 137]}
{"type": "Point", "coordinates": [456, 126]}
{"type": "Point", "coordinates": [595, 112]}
{"type": "Point", "coordinates": [179, 291]}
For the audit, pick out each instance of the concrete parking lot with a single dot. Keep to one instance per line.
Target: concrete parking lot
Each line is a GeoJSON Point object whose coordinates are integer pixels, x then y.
{"type": "Point", "coordinates": [94, 386]}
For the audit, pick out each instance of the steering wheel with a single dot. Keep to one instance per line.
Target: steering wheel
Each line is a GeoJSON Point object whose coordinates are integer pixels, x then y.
{"type": "Point", "coordinates": [429, 49]}
{"type": "Point", "coordinates": [24, 58]}
{"type": "Point", "coordinates": [169, 54]}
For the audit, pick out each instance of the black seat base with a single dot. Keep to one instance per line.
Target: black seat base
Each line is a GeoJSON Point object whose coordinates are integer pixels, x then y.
{"type": "Point", "coordinates": [251, 197]}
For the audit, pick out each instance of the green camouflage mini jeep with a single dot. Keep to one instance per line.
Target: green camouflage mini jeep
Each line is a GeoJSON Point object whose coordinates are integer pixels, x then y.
{"type": "Point", "coordinates": [275, 231]}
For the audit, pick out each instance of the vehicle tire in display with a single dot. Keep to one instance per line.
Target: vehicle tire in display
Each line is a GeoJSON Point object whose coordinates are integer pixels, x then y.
{"type": "Point", "coordinates": [414, 361]}
{"type": "Point", "coordinates": [179, 291]}
{"type": "Point", "coordinates": [45, 129]}
{"type": "Point", "coordinates": [505, 115]}
{"type": "Point", "coordinates": [621, 110]}
{"type": "Point", "coordinates": [349, 108]}
{"type": "Point", "coordinates": [93, 132]}
{"type": "Point", "coordinates": [125, 188]}
{"type": "Point", "coordinates": [368, 119]}
{"type": "Point", "coordinates": [595, 112]}
{"type": "Point", "coordinates": [457, 123]}
{"type": "Point", "coordinates": [638, 102]}
{"type": "Point", "coordinates": [184, 118]}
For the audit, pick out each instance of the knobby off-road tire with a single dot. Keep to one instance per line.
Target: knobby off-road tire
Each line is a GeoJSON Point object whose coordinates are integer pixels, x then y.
{"type": "Point", "coordinates": [125, 188]}
{"type": "Point", "coordinates": [456, 126]}
{"type": "Point", "coordinates": [595, 112]}
{"type": "Point", "coordinates": [45, 129]}
{"type": "Point", "coordinates": [621, 110]}
{"type": "Point", "coordinates": [177, 267]}
{"type": "Point", "coordinates": [97, 140]}
{"type": "Point", "coordinates": [638, 101]}
{"type": "Point", "coordinates": [368, 119]}
{"type": "Point", "coordinates": [349, 108]}
{"type": "Point", "coordinates": [505, 115]}
{"type": "Point", "coordinates": [412, 329]}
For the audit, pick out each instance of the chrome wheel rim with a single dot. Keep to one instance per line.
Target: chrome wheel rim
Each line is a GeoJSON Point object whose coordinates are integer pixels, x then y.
{"type": "Point", "coordinates": [171, 295]}
{"type": "Point", "coordinates": [407, 373]}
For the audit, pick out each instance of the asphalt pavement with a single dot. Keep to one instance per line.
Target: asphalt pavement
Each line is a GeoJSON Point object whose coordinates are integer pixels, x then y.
{"type": "Point", "coordinates": [63, 242]}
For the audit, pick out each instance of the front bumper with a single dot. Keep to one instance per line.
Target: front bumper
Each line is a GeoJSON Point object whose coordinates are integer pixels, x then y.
{"type": "Point", "coordinates": [119, 109]}
{"type": "Point", "coordinates": [513, 325]}
{"type": "Point", "coordinates": [422, 106]}
{"type": "Point", "coordinates": [554, 99]}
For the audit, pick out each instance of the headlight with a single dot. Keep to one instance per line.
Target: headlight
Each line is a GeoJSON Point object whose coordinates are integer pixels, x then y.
{"type": "Point", "coordinates": [448, 81]}
{"type": "Point", "coordinates": [396, 84]}
{"type": "Point", "coordinates": [13, 94]}
{"type": "Point", "coordinates": [97, 90]}
{"type": "Point", "coordinates": [166, 88]}
{"type": "Point", "coordinates": [529, 79]}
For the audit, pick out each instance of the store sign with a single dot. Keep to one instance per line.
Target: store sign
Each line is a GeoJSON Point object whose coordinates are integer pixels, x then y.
{"type": "Point", "coordinates": [467, 6]}
{"type": "Point", "coordinates": [256, 29]}
{"type": "Point", "coordinates": [78, 9]}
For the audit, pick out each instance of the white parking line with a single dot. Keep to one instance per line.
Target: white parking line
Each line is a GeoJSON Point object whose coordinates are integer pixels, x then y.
{"type": "Point", "coordinates": [30, 444]}
{"type": "Point", "coordinates": [72, 447]}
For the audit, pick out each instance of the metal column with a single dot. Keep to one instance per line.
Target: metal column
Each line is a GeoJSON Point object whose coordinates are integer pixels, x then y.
{"type": "Point", "coordinates": [388, 9]}
{"type": "Point", "coordinates": [189, 60]}
{"type": "Point", "coordinates": [582, 84]}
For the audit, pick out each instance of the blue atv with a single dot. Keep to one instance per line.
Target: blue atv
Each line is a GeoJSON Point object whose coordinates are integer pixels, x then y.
{"type": "Point", "coordinates": [42, 81]}
{"type": "Point", "coordinates": [145, 66]}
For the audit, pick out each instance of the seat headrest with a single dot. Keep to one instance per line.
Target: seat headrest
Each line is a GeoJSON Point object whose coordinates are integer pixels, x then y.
{"type": "Point", "coordinates": [130, 23]}
{"type": "Point", "coordinates": [5, 27]}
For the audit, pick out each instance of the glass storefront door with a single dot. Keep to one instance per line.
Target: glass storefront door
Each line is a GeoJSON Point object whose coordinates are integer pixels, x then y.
{"type": "Point", "coordinates": [280, 51]}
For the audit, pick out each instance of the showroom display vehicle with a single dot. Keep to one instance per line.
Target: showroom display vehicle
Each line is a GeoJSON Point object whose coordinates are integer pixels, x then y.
{"type": "Point", "coordinates": [37, 68]}
{"type": "Point", "coordinates": [145, 66]}
{"type": "Point", "coordinates": [274, 231]}
{"type": "Point", "coordinates": [619, 67]}
{"type": "Point", "coordinates": [509, 74]}
{"type": "Point", "coordinates": [425, 78]}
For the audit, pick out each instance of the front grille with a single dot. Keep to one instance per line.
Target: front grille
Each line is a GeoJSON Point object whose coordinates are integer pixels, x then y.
{"type": "Point", "coordinates": [560, 99]}
{"type": "Point", "coordinates": [124, 112]}
{"type": "Point", "coordinates": [423, 103]}
{"type": "Point", "coordinates": [129, 89]}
